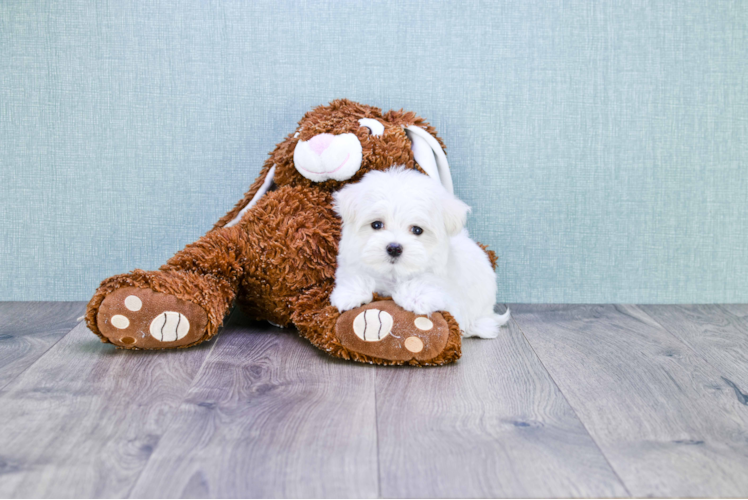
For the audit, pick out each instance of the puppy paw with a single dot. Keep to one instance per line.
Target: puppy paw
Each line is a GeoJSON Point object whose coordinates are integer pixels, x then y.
{"type": "Point", "coordinates": [420, 299]}
{"type": "Point", "coordinates": [418, 305]}
{"type": "Point", "coordinates": [345, 298]}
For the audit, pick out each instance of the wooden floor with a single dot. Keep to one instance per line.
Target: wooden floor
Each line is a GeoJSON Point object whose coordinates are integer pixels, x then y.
{"type": "Point", "coordinates": [569, 401]}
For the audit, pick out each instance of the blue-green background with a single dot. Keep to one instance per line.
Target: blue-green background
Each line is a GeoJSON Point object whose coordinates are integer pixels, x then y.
{"type": "Point", "coordinates": [602, 145]}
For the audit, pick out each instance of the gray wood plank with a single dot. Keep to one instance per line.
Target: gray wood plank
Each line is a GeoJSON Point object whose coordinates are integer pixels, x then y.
{"type": "Point", "coordinates": [269, 416]}
{"type": "Point", "coordinates": [492, 425]}
{"type": "Point", "coordinates": [83, 420]}
{"type": "Point", "coordinates": [738, 310]}
{"type": "Point", "coordinates": [710, 330]}
{"type": "Point", "coordinates": [665, 419]}
{"type": "Point", "coordinates": [28, 329]}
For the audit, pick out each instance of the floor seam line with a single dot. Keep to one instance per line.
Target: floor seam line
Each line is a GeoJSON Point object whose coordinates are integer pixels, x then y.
{"type": "Point", "coordinates": [584, 426]}
{"type": "Point", "coordinates": [40, 357]}
{"type": "Point", "coordinates": [376, 431]}
{"type": "Point", "coordinates": [682, 341]}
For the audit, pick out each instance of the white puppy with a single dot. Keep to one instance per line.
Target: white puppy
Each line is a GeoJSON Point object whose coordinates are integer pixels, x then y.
{"type": "Point", "coordinates": [403, 235]}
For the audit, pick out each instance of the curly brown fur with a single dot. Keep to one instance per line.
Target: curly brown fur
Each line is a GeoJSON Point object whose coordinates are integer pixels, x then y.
{"type": "Point", "coordinates": [492, 257]}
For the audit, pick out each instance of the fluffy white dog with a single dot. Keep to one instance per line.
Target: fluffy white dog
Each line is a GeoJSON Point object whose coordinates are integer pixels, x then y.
{"type": "Point", "coordinates": [403, 235]}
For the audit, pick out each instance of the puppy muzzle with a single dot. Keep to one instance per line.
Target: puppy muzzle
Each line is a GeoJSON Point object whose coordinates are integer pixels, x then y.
{"type": "Point", "coordinates": [394, 250]}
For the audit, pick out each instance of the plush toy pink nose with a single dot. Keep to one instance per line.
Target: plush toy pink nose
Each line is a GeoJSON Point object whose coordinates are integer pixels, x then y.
{"type": "Point", "coordinates": [320, 142]}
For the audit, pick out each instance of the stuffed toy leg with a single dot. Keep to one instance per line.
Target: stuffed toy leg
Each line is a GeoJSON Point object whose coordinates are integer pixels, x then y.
{"type": "Point", "coordinates": [275, 253]}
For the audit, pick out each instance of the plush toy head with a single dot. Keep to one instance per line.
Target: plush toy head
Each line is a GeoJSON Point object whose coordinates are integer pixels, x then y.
{"type": "Point", "coordinates": [341, 142]}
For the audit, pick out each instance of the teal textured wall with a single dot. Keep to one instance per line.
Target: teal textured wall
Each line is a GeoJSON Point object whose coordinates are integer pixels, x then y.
{"type": "Point", "coordinates": [603, 145]}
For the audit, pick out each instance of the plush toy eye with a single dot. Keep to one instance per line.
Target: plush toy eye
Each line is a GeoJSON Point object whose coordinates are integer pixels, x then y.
{"type": "Point", "coordinates": [374, 126]}
{"type": "Point", "coordinates": [377, 225]}
{"type": "Point", "coordinates": [416, 230]}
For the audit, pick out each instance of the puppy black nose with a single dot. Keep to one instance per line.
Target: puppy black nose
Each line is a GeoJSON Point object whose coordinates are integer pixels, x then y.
{"type": "Point", "coordinates": [394, 249]}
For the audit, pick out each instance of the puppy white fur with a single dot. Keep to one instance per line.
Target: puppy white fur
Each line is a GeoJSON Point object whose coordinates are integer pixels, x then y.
{"type": "Point", "coordinates": [403, 235]}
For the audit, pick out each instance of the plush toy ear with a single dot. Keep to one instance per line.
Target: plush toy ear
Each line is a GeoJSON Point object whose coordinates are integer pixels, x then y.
{"type": "Point", "coordinates": [260, 192]}
{"type": "Point", "coordinates": [455, 214]}
{"type": "Point", "coordinates": [430, 156]}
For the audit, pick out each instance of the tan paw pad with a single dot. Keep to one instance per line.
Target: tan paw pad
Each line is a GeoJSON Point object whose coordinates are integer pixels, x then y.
{"type": "Point", "coordinates": [414, 344]}
{"type": "Point", "coordinates": [373, 325]}
{"type": "Point", "coordinates": [424, 324]}
{"type": "Point", "coordinates": [133, 303]}
{"type": "Point", "coordinates": [169, 326]}
{"type": "Point", "coordinates": [119, 321]}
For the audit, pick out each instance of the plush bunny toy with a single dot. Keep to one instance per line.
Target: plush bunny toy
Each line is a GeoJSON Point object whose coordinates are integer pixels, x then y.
{"type": "Point", "coordinates": [275, 252]}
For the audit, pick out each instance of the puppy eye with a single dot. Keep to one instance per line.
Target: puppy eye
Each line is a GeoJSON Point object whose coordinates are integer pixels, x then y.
{"type": "Point", "coordinates": [377, 225]}
{"type": "Point", "coordinates": [416, 230]}
{"type": "Point", "coordinates": [375, 127]}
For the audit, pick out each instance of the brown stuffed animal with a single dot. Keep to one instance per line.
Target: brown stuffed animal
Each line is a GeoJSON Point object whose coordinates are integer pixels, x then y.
{"type": "Point", "coordinates": [275, 252]}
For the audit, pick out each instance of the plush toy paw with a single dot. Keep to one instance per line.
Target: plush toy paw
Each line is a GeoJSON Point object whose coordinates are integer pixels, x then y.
{"type": "Point", "coordinates": [139, 318]}
{"type": "Point", "coordinates": [388, 332]}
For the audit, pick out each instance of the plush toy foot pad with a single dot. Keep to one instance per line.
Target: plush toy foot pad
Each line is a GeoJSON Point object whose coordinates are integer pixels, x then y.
{"type": "Point", "coordinates": [139, 318]}
{"type": "Point", "coordinates": [385, 330]}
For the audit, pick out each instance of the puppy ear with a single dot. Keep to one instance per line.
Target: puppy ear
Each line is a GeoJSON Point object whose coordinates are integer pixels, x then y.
{"type": "Point", "coordinates": [455, 214]}
{"type": "Point", "coordinates": [346, 202]}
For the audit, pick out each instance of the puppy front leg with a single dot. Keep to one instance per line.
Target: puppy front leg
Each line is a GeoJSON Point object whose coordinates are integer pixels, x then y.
{"type": "Point", "coordinates": [422, 297]}
{"type": "Point", "coordinates": [351, 292]}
